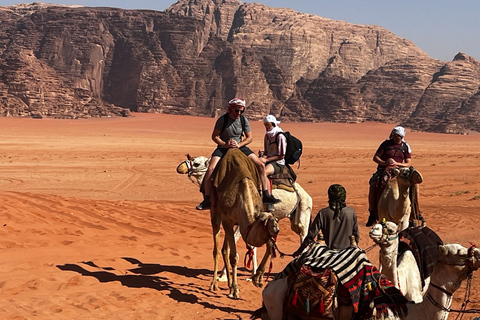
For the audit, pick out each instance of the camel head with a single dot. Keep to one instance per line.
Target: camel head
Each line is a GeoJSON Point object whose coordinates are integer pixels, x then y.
{"type": "Point", "coordinates": [382, 233]}
{"type": "Point", "coordinates": [270, 224]}
{"type": "Point", "coordinates": [460, 258]}
{"type": "Point", "coordinates": [193, 166]}
{"type": "Point", "coordinates": [412, 175]}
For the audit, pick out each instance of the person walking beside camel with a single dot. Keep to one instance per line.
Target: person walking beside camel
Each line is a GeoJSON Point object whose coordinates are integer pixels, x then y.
{"type": "Point", "coordinates": [227, 134]}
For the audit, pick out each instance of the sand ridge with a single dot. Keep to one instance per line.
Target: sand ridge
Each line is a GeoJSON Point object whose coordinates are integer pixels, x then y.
{"type": "Point", "coordinates": [96, 223]}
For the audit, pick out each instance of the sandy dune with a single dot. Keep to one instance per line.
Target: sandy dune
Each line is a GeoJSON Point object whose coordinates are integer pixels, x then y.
{"type": "Point", "coordinates": [96, 224]}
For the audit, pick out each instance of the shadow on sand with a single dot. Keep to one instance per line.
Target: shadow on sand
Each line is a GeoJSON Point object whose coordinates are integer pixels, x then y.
{"type": "Point", "coordinates": [146, 276]}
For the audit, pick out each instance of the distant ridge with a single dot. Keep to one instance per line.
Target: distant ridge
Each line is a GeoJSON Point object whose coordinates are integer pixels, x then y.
{"type": "Point", "coordinates": [77, 62]}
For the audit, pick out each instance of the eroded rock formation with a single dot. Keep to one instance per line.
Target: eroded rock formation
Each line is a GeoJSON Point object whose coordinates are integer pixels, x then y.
{"type": "Point", "coordinates": [65, 61]}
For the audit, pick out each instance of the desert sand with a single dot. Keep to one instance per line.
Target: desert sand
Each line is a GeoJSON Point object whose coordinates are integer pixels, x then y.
{"type": "Point", "coordinates": [97, 224]}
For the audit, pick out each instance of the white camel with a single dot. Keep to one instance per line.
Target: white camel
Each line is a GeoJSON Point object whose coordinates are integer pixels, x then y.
{"type": "Point", "coordinates": [455, 264]}
{"type": "Point", "coordinates": [297, 206]}
{"type": "Point", "coordinates": [394, 203]}
{"type": "Point", "coordinates": [402, 270]}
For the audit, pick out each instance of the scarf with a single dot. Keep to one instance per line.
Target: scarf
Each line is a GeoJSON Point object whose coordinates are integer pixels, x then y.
{"type": "Point", "coordinates": [272, 133]}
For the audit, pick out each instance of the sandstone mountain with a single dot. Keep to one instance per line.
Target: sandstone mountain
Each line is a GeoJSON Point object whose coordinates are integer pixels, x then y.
{"type": "Point", "coordinates": [66, 61]}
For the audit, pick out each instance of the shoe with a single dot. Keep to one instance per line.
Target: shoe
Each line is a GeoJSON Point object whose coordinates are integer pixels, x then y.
{"type": "Point", "coordinates": [371, 221]}
{"type": "Point", "coordinates": [204, 205]}
{"type": "Point", "coordinates": [270, 208]}
{"type": "Point", "coordinates": [270, 199]}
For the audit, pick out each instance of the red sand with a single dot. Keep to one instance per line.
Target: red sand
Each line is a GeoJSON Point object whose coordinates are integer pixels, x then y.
{"type": "Point", "coordinates": [97, 224]}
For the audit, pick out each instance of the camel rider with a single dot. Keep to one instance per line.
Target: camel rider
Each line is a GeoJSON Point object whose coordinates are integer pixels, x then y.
{"type": "Point", "coordinates": [394, 152]}
{"type": "Point", "coordinates": [337, 222]}
{"type": "Point", "coordinates": [227, 134]}
{"type": "Point", "coordinates": [275, 146]}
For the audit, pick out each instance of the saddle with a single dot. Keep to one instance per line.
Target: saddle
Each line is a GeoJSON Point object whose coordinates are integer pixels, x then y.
{"type": "Point", "coordinates": [380, 185]}
{"type": "Point", "coordinates": [310, 294]}
{"type": "Point", "coordinates": [284, 180]}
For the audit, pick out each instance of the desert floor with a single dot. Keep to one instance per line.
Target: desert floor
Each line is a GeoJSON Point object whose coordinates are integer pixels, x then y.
{"type": "Point", "coordinates": [97, 224]}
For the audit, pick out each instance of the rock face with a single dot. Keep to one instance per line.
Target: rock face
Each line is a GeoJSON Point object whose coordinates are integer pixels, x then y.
{"type": "Point", "coordinates": [59, 61]}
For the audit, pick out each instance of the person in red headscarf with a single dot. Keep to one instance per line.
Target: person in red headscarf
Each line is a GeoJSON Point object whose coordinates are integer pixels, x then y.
{"type": "Point", "coordinates": [232, 130]}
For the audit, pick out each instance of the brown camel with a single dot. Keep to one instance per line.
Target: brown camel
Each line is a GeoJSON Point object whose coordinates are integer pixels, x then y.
{"type": "Point", "coordinates": [236, 200]}
{"type": "Point", "coordinates": [296, 205]}
{"type": "Point", "coordinates": [394, 203]}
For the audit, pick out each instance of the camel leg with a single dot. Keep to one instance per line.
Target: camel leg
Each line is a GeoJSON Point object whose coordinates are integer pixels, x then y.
{"type": "Point", "coordinates": [304, 213]}
{"type": "Point", "coordinates": [258, 277]}
{"type": "Point", "coordinates": [223, 275]}
{"type": "Point", "coordinates": [230, 254]}
{"type": "Point", "coordinates": [216, 221]}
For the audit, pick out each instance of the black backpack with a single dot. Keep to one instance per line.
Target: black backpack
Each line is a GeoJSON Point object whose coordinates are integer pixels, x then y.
{"type": "Point", "coordinates": [402, 148]}
{"type": "Point", "coordinates": [225, 120]}
{"type": "Point", "coordinates": [294, 148]}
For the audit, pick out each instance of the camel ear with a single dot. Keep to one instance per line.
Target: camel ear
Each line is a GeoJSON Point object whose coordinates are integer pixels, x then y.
{"type": "Point", "coordinates": [417, 177]}
{"type": "Point", "coordinates": [396, 172]}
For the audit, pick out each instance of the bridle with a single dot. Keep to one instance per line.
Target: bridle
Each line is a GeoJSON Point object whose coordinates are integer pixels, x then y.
{"type": "Point", "coordinates": [386, 236]}
{"type": "Point", "coordinates": [271, 238]}
{"type": "Point", "coordinates": [193, 171]}
{"type": "Point", "coordinates": [409, 177]}
{"type": "Point", "coordinates": [469, 262]}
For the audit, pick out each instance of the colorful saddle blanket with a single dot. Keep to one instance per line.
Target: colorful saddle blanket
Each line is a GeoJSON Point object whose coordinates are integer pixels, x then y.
{"type": "Point", "coordinates": [310, 294]}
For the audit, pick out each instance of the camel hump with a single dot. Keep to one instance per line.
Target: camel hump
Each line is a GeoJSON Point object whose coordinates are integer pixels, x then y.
{"type": "Point", "coordinates": [233, 167]}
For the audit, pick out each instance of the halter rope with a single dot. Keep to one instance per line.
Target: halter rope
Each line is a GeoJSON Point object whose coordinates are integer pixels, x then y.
{"type": "Point", "coordinates": [469, 262]}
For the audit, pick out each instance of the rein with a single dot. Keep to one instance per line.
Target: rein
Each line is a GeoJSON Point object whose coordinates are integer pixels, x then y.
{"type": "Point", "coordinates": [469, 263]}
{"type": "Point", "coordinates": [192, 171]}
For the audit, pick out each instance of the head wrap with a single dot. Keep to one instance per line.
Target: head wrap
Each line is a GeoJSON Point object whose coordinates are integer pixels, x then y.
{"type": "Point", "coordinates": [237, 102]}
{"type": "Point", "coordinates": [271, 119]}
{"type": "Point", "coordinates": [399, 130]}
{"type": "Point", "coordinates": [336, 199]}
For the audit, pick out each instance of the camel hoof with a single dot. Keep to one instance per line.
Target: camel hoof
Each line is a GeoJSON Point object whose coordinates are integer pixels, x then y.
{"type": "Point", "coordinates": [234, 295]}
{"type": "Point", "coordinates": [257, 281]}
{"type": "Point", "coordinates": [214, 287]}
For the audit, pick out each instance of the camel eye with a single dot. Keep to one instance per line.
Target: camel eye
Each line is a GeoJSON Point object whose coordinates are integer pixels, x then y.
{"type": "Point", "coordinates": [196, 164]}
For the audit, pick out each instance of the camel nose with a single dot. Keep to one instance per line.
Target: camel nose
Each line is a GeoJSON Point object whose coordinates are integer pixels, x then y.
{"type": "Point", "coordinates": [182, 168]}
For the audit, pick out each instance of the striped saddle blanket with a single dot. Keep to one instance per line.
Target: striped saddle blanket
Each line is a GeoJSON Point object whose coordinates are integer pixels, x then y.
{"type": "Point", "coordinates": [355, 272]}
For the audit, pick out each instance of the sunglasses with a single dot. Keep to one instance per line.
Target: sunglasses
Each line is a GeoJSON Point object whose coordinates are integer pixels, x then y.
{"type": "Point", "coordinates": [239, 111]}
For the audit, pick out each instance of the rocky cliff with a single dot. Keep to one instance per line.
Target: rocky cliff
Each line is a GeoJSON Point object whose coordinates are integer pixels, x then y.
{"type": "Point", "coordinates": [59, 61]}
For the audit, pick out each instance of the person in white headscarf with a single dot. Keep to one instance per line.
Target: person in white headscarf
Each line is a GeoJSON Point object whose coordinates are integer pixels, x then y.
{"type": "Point", "coordinates": [275, 146]}
{"type": "Point", "coordinates": [393, 152]}
{"type": "Point", "coordinates": [232, 131]}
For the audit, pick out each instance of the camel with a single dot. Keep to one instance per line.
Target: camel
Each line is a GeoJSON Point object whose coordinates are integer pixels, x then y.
{"type": "Point", "coordinates": [237, 201]}
{"type": "Point", "coordinates": [394, 203]}
{"type": "Point", "coordinates": [401, 270]}
{"type": "Point", "coordinates": [455, 264]}
{"type": "Point", "coordinates": [299, 215]}
{"type": "Point", "coordinates": [297, 206]}
{"type": "Point", "coordinates": [351, 268]}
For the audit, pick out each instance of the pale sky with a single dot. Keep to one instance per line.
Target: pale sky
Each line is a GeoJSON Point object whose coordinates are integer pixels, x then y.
{"type": "Point", "coordinates": [441, 28]}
